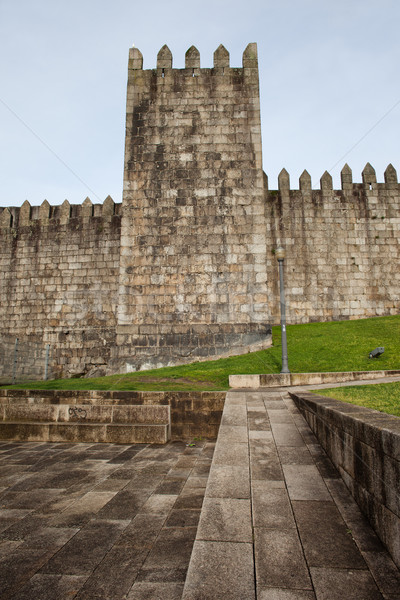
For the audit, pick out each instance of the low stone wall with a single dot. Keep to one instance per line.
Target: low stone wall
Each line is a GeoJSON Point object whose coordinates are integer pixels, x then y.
{"type": "Point", "coordinates": [364, 445]}
{"type": "Point", "coordinates": [193, 414]}
{"type": "Point", "coordinates": [289, 379]}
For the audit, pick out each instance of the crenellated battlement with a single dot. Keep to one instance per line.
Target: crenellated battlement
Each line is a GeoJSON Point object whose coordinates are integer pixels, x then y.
{"type": "Point", "coordinates": [25, 215]}
{"type": "Point", "coordinates": [369, 181]}
{"type": "Point", "coordinates": [192, 60]}
{"type": "Point", "coordinates": [11, 217]}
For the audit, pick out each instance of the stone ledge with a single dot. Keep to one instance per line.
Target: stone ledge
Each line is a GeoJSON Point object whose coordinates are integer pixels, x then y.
{"type": "Point", "coordinates": [291, 379]}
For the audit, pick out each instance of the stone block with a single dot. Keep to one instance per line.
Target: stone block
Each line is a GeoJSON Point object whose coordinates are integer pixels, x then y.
{"type": "Point", "coordinates": [137, 434]}
{"type": "Point", "coordinates": [229, 434]}
{"type": "Point", "coordinates": [264, 461]}
{"type": "Point", "coordinates": [271, 507]}
{"type": "Point", "coordinates": [225, 520]}
{"type": "Point", "coordinates": [141, 414]}
{"type": "Point", "coordinates": [30, 413]}
{"type": "Point", "coordinates": [325, 536]}
{"type": "Point", "coordinates": [351, 584]}
{"type": "Point", "coordinates": [305, 483]}
{"type": "Point", "coordinates": [25, 432]}
{"type": "Point", "coordinates": [67, 432]}
{"type": "Point", "coordinates": [279, 559]}
{"type": "Point", "coordinates": [286, 434]}
{"type": "Point", "coordinates": [228, 482]}
{"type": "Point", "coordinates": [220, 570]}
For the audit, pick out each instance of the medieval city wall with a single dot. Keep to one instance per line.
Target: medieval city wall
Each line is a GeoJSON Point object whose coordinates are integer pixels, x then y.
{"type": "Point", "coordinates": [185, 268]}
{"type": "Point", "coordinates": [342, 246]}
{"type": "Point", "coordinates": [59, 280]}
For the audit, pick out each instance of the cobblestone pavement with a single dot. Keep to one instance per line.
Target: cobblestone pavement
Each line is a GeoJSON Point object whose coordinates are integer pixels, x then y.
{"type": "Point", "coordinates": [100, 521]}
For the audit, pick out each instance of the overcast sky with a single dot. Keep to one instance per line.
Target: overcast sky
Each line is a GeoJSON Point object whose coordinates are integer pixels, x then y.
{"type": "Point", "coordinates": [329, 77]}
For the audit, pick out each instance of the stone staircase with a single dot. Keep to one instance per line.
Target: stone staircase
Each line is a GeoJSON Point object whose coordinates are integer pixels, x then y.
{"type": "Point", "coordinates": [38, 420]}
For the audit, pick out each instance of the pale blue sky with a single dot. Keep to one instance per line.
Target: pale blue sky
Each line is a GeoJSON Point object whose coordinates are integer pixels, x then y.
{"type": "Point", "coordinates": [328, 74]}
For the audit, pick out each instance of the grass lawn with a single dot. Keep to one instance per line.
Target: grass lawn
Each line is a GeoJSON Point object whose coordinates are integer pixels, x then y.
{"type": "Point", "coordinates": [381, 396]}
{"type": "Point", "coordinates": [313, 347]}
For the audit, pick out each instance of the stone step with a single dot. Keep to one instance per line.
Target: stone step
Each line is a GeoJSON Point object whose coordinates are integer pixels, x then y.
{"type": "Point", "coordinates": [85, 413]}
{"type": "Point", "coordinates": [125, 424]}
{"type": "Point", "coordinates": [113, 433]}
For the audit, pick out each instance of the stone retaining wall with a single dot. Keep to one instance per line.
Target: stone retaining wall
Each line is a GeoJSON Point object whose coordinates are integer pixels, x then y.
{"type": "Point", "coordinates": [193, 414]}
{"type": "Point", "coordinates": [364, 445]}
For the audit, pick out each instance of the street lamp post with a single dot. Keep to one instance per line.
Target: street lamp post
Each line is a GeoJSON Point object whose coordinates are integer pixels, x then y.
{"type": "Point", "coordinates": [280, 255]}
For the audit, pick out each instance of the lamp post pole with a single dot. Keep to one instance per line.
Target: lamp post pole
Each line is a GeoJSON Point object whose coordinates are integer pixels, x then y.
{"type": "Point", "coordinates": [280, 255]}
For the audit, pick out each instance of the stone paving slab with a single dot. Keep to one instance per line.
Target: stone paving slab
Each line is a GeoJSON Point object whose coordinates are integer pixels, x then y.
{"type": "Point", "coordinates": [99, 521]}
{"type": "Point", "coordinates": [225, 520]}
{"type": "Point", "coordinates": [228, 482]}
{"type": "Point", "coordinates": [220, 570]}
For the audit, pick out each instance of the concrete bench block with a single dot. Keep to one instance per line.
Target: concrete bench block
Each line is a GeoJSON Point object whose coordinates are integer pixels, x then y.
{"type": "Point", "coordinates": [244, 381]}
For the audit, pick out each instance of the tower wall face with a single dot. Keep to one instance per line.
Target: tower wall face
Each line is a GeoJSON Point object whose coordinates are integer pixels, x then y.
{"type": "Point", "coordinates": [193, 245]}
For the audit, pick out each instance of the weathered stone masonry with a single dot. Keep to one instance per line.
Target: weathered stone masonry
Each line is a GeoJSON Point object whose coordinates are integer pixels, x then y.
{"type": "Point", "coordinates": [59, 279]}
{"type": "Point", "coordinates": [343, 246]}
{"type": "Point", "coordinates": [193, 243]}
{"type": "Point", "coordinates": [184, 268]}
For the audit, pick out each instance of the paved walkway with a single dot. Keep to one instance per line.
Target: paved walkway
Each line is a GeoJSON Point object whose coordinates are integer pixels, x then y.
{"type": "Point", "coordinates": [100, 521]}
{"type": "Point", "coordinates": [277, 521]}
{"type": "Point", "coordinates": [110, 522]}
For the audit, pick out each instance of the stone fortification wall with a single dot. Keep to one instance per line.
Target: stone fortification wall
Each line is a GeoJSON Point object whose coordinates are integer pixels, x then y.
{"type": "Point", "coordinates": [186, 270]}
{"type": "Point", "coordinates": [342, 247]}
{"type": "Point", "coordinates": [193, 245]}
{"type": "Point", "coordinates": [59, 280]}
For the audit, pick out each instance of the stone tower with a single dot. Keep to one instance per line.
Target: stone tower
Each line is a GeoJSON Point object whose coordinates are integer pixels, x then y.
{"type": "Point", "coordinates": [193, 239]}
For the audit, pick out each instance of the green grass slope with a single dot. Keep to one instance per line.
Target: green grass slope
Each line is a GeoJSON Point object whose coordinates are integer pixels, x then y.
{"type": "Point", "coordinates": [313, 347]}
{"type": "Point", "coordinates": [384, 397]}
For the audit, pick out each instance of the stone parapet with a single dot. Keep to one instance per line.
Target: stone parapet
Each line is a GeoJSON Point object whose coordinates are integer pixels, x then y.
{"type": "Point", "coordinates": [341, 246]}
{"type": "Point", "coordinates": [364, 445]}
